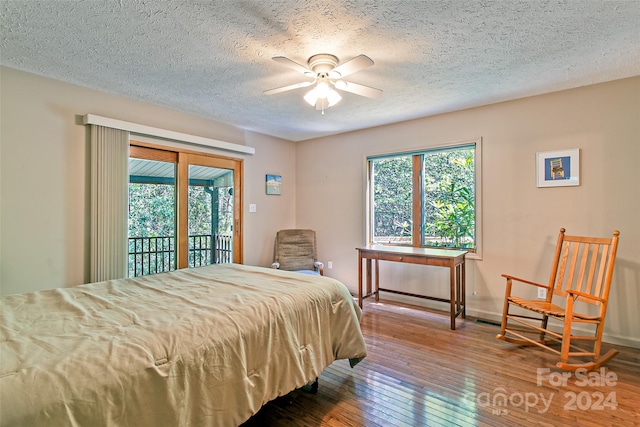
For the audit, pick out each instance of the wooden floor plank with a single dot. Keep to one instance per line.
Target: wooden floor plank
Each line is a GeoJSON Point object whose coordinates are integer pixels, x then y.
{"type": "Point", "coordinates": [418, 372]}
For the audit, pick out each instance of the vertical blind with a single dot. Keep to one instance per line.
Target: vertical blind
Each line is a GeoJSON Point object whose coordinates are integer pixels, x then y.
{"type": "Point", "coordinates": [109, 199]}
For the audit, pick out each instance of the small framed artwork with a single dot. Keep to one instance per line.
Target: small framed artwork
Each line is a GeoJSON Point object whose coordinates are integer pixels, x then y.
{"type": "Point", "coordinates": [558, 168]}
{"type": "Point", "coordinates": [274, 184]}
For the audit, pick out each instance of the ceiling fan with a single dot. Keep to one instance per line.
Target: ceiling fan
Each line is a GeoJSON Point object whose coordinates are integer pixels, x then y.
{"type": "Point", "coordinates": [327, 74]}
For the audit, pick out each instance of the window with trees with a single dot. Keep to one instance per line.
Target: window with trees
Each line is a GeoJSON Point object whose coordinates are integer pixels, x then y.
{"type": "Point", "coordinates": [426, 198]}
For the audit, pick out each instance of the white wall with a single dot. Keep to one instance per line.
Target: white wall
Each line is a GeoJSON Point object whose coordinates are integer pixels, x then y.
{"type": "Point", "coordinates": [44, 200]}
{"type": "Point", "coordinates": [521, 221]}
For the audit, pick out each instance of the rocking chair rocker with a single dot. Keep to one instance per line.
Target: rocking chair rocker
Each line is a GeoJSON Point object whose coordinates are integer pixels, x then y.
{"type": "Point", "coordinates": [581, 276]}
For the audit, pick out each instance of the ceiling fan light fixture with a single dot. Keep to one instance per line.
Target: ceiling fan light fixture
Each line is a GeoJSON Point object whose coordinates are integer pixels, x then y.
{"type": "Point", "coordinates": [333, 97]}
{"type": "Point", "coordinates": [322, 89]}
{"type": "Point", "coordinates": [311, 97]}
{"type": "Point", "coordinates": [322, 93]}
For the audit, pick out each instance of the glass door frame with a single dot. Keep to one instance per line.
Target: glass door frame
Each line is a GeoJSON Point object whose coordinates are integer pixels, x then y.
{"type": "Point", "coordinates": [185, 159]}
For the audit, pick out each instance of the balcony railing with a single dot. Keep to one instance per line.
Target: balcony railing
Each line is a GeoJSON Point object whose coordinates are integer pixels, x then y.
{"type": "Point", "coordinates": [150, 255]}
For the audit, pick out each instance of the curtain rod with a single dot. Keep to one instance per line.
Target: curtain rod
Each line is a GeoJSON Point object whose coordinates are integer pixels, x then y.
{"type": "Point", "coordinates": [92, 119]}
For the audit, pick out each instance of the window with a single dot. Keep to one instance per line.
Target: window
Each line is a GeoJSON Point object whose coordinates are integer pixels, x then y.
{"type": "Point", "coordinates": [426, 198]}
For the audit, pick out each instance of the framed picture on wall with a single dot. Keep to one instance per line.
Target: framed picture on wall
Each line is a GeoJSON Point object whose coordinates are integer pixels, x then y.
{"type": "Point", "coordinates": [558, 168]}
{"type": "Point", "coordinates": [274, 184]}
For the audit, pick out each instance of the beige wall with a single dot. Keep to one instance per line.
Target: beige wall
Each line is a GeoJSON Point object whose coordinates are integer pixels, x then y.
{"type": "Point", "coordinates": [521, 221]}
{"type": "Point", "coordinates": [44, 196]}
{"type": "Point", "coordinates": [273, 212]}
{"type": "Point", "coordinates": [43, 174]}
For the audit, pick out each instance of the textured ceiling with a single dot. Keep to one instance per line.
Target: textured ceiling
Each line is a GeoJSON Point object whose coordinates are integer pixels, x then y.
{"type": "Point", "coordinates": [213, 58]}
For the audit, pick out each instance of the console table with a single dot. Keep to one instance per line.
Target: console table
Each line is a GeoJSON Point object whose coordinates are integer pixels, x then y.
{"type": "Point", "coordinates": [453, 259]}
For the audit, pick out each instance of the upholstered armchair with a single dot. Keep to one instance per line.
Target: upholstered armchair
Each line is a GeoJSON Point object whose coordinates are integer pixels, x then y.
{"type": "Point", "coordinates": [295, 250]}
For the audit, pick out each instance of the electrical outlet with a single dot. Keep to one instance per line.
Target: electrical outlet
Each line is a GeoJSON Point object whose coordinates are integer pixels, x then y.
{"type": "Point", "coordinates": [542, 293]}
{"type": "Point", "coordinates": [252, 207]}
{"type": "Point", "coordinates": [329, 264]}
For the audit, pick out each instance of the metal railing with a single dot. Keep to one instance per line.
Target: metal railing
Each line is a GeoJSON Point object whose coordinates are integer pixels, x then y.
{"type": "Point", "coordinates": [150, 255]}
{"type": "Point", "coordinates": [203, 252]}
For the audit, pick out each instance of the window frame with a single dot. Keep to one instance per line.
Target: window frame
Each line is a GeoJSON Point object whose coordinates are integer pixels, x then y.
{"type": "Point", "coordinates": [417, 196]}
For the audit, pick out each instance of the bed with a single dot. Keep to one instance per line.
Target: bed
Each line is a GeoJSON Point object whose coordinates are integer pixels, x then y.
{"type": "Point", "coordinates": [206, 346]}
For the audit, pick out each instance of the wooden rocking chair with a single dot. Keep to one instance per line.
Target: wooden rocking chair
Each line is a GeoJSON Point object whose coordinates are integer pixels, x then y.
{"type": "Point", "coordinates": [581, 273]}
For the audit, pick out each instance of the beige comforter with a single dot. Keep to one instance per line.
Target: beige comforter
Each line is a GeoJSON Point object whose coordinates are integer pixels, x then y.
{"type": "Point", "coordinates": [198, 347]}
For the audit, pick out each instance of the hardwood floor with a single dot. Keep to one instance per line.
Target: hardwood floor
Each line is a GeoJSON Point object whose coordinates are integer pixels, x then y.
{"type": "Point", "coordinates": [418, 372]}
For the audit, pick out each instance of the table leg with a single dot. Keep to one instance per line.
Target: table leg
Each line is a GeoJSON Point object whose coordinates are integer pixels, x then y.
{"type": "Point", "coordinates": [452, 294]}
{"type": "Point", "coordinates": [464, 290]}
{"type": "Point", "coordinates": [458, 289]}
{"type": "Point", "coordinates": [360, 279]}
{"type": "Point", "coordinates": [368, 274]}
{"type": "Point", "coordinates": [377, 289]}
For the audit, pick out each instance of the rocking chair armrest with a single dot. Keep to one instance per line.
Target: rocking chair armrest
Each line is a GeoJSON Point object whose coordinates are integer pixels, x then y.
{"type": "Point", "coordinates": [574, 293]}
{"type": "Point", "coordinates": [528, 282]}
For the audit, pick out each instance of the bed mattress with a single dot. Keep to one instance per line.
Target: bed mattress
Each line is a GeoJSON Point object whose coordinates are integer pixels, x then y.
{"type": "Point", "coordinates": [206, 346]}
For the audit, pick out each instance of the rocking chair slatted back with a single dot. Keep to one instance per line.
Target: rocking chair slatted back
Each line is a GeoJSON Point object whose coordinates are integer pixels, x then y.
{"type": "Point", "coordinates": [575, 253]}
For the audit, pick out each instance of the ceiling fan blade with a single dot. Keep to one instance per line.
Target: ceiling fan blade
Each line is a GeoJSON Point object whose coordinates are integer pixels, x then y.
{"type": "Point", "coordinates": [286, 88]}
{"type": "Point", "coordinates": [294, 65]}
{"type": "Point", "coordinates": [356, 64]}
{"type": "Point", "coordinates": [362, 90]}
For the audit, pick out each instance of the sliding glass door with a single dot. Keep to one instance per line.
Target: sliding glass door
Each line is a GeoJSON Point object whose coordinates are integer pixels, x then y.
{"type": "Point", "coordinates": [182, 210]}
